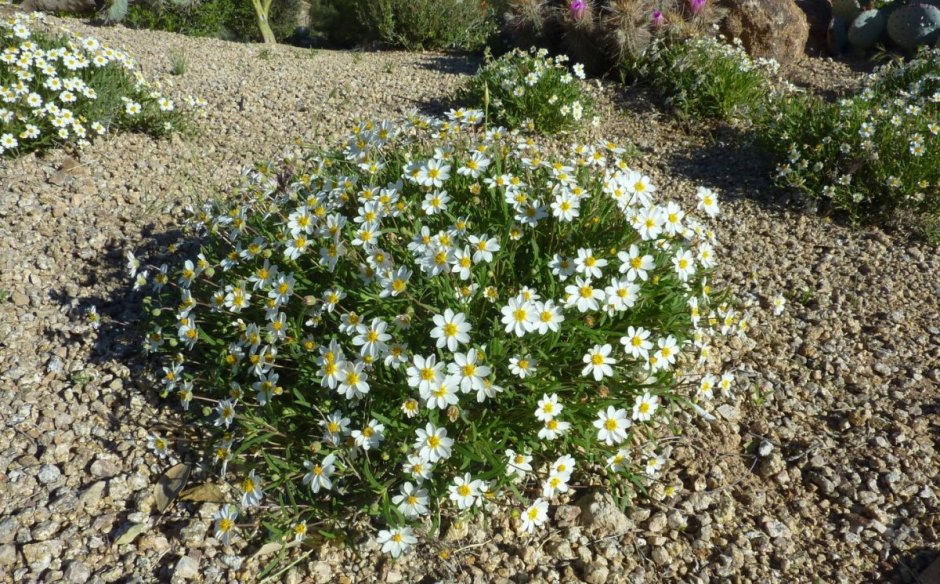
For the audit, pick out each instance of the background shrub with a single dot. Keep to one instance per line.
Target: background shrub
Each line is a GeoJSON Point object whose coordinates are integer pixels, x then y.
{"type": "Point", "coordinates": [870, 154]}
{"type": "Point", "coordinates": [408, 24]}
{"type": "Point", "coordinates": [227, 19]}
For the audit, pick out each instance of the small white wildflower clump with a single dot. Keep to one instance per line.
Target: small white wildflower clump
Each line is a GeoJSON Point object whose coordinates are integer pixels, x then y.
{"type": "Point", "coordinates": [869, 154]}
{"type": "Point", "coordinates": [433, 318]}
{"type": "Point", "coordinates": [707, 77]}
{"type": "Point", "coordinates": [532, 91]}
{"type": "Point", "coordinates": [56, 87]}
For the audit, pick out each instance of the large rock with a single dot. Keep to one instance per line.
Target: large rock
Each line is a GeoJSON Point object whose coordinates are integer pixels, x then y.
{"type": "Point", "coordinates": [768, 28]}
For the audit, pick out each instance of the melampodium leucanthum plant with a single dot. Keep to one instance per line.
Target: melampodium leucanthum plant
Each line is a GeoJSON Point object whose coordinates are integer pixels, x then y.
{"type": "Point", "coordinates": [869, 154]}
{"type": "Point", "coordinates": [705, 77]}
{"type": "Point", "coordinates": [530, 90]}
{"type": "Point", "coordinates": [57, 88]}
{"type": "Point", "coordinates": [439, 319]}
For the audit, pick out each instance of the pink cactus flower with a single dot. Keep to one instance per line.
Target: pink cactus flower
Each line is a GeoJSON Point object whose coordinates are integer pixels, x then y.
{"type": "Point", "coordinates": [697, 6]}
{"type": "Point", "coordinates": [658, 20]}
{"type": "Point", "coordinates": [576, 9]}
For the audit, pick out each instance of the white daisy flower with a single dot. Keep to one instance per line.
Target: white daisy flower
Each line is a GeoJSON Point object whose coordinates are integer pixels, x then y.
{"type": "Point", "coordinates": [432, 443]}
{"type": "Point", "coordinates": [612, 425]}
{"type": "Point", "coordinates": [645, 406]}
{"type": "Point", "coordinates": [535, 515]}
{"type": "Point", "coordinates": [412, 501]}
{"type": "Point", "coordinates": [319, 475]}
{"type": "Point", "coordinates": [397, 541]}
{"type": "Point", "coordinates": [598, 362]}
{"type": "Point", "coordinates": [451, 330]}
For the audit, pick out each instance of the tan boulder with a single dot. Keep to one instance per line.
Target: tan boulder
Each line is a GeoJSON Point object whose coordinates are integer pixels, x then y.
{"type": "Point", "coordinates": [768, 28]}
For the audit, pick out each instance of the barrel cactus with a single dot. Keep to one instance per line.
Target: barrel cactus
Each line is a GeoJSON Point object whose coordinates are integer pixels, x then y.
{"type": "Point", "coordinates": [866, 29]}
{"type": "Point", "coordinates": [914, 25]}
{"type": "Point", "coordinates": [847, 10]}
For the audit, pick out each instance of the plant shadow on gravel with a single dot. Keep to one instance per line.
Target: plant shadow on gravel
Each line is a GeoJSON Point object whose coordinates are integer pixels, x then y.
{"type": "Point", "coordinates": [724, 158]}
{"type": "Point", "coordinates": [451, 63]}
{"type": "Point", "coordinates": [913, 566]}
{"type": "Point", "coordinates": [120, 338]}
{"type": "Point", "coordinates": [713, 154]}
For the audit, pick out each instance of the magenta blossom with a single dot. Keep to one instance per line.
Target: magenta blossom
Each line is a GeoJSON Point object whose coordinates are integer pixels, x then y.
{"type": "Point", "coordinates": [658, 19]}
{"type": "Point", "coordinates": [697, 5]}
{"type": "Point", "coordinates": [576, 9]}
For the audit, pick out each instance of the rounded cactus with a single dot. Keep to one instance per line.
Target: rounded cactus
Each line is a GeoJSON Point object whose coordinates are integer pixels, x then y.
{"type": "Point", "coordinates": [847, 10]}
{"type": "Point", "coordinates": [116, 11]}
{"type": "Point", "coordinates": [838, 35]}
{"type": "Point", "coordinates": [914, 25]}
{"type": "Point", "coordinates": [866, 29]}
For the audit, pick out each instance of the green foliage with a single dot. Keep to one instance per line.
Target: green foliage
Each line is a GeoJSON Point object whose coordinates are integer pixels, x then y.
{"type": "Point", "coordinates": [435, 276]}
{"type": "Point", "coordinates": [179, 63]}
{"type": "Point", "coordinates": [529, 90]}
{"type": "Point", "coordinates": [408, 24]}
{"type": "Point", "coordinates": [870, 155]}
{"type": "Point", "coordinates": [76, 90]}
{"type": "Point", "coordinates": [704, 77]}
{"type": "Point", "coordinates": [228, 19]}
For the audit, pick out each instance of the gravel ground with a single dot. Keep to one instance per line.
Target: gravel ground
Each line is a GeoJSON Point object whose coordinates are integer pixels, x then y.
{"type": "Point", "coordinates": [824, 468]}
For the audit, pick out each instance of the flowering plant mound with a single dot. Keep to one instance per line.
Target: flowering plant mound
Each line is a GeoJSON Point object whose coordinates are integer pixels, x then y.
{"type": "Point", "coordinates": [705, 77]}
{"type": "Point", "coordinates": [65, 89]}
{"type": "Point", "coordinates": [437, 318]}
{"type": "Point", "coordinates": [529, 89]}
{"type": "Point", "coordinates": [869, 154]}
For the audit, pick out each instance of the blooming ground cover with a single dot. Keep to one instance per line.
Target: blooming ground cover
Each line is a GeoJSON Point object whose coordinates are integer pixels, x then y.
{"type": "Point", "coordinates": [869, 154]}
{"type": "Point", "coordinates": [56, 89]}
{"type": "Point", "coordinates": [529, 89]}
{"type": "Point", "coordinates": [705, 77]}
{"type": "Point", "coordinates": [439, 319]}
